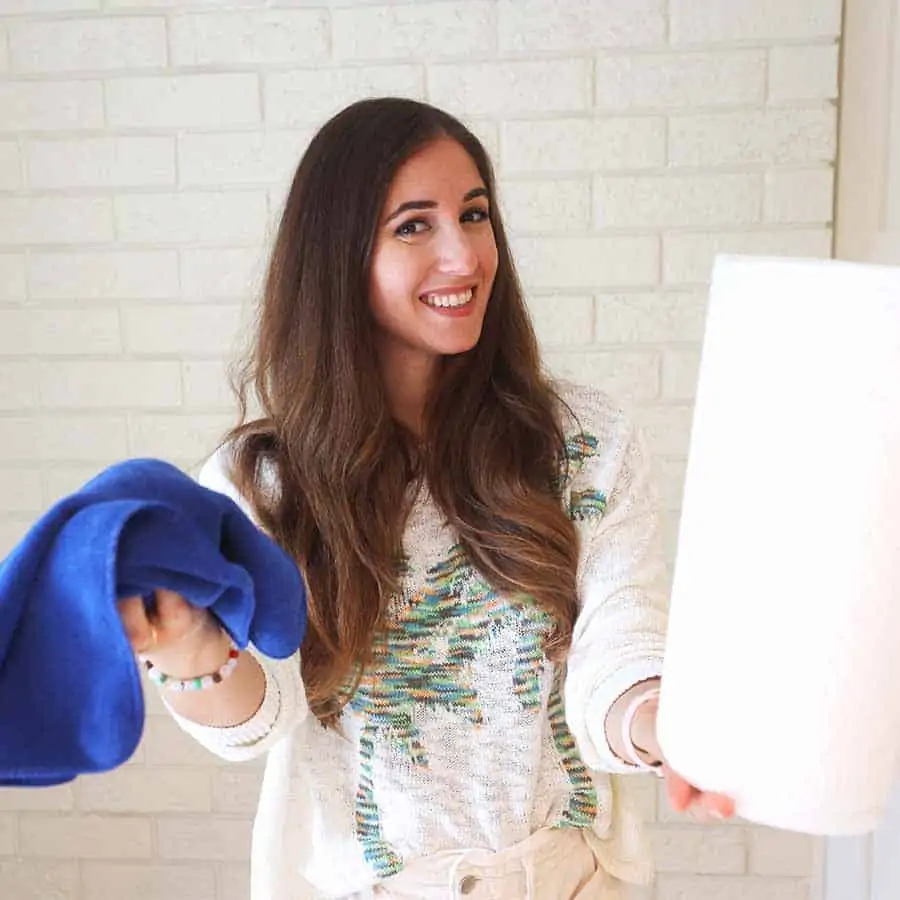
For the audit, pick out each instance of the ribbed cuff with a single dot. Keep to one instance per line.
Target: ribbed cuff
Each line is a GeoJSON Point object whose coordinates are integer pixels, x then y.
{"type": "Point", "coordinates": [280, 708]}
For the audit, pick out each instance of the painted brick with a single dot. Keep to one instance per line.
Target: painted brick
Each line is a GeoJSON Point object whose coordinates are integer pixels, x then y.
{"type": "Point", "coordinates": [265, 157]}
{"type": "Point", "coordinates": [425, 31]}
{"type": "Point", "coordinates": [772, 137]}
{"type": "Point", "coordinates": [577, 144]}
{"type": "Point", "coordinates": [689, 257]}
{"type": "Point", "coordinates": [800, 197]}
{"type": "Point", "coordinates": [221, 274]}
{"type": "Point", "coordinates": [166, 4]}
{"type": "Point", "coordinates": [106, 881]}
{"type": "Point", "coordinates": [84, 837]}
{"type": "Point", "coordinates": [55, 220]}
{"type": "Point", "coordinates": [187, 438]}
{"type": "Point", "coordinates": [510, 88]}
{"type": "Point", "coordinates": [546, 206]}
{"type": "Point", "coordinates": [87, 45]}
{"type": "Point", "coordinates": [140, 790]}
{"type": "Point", "coordinates": [641, 892]}
{"type": "Point", "coordinates": [781, 852]}
{"type": "Point", "coordinates": [488, 133]}
{"type": "Point", "coordinates": [165, 744]}
{"type": "Point", "coordinates": [12, 278]}
{"type": "Point", "coordinates": [702, 851]}
{"type": "Point", "coordinates": [622, 374]}
{"type": "Point", "coordinates": [710, 887]}
{"type": "Point", "coordinates": [562, 321]}
{"type": "Point", "coordinates": [7, 834]}
{"type": "Point", "coordinates": [183, 101]}
{"type": "Point", "coordinates": [650, 318]}
{"type": "Point", "coordinates": [27, 879]}
{"type": "Point", "coordinates": [681, 369]}
{"type": "Point", "coordinates": [234, 882]}
{"type": "Point", "coordinates": [680, 80]}
{"type": "Point", "coordinates": [26, 332]}
{"type": "Point", "coordinates": [14, 7]}
{"type": "Point", "coordinates": [310, 96]}
{"type": "Point", "coordinates": [103, 275]}
{"type": "Point", "coordinates": [803, 73]}
{"type": "Point", "coordinates": [701, 21]}
{"type": "Point", "coordinates": [206, 385]}
{"type": "Point", "coordinates": [671, 200]}
{"type": "Point", "coordinates": [207, 217]}
{"type": "Point", "coordinates": [17, 387]}
{"type": "Point", "coordinates": [578, 25]}
{"type": "Point", "coordinates": [50, 105]}
{"type": "Point", "coordinates": [62, 480]}
{"type": "Point", "coordinates": [266, 37]}
{"type": "Point", "coordinates": [12, 530]}
{"type": "Point", "coordinates": [208, 838]}
{"type": "Point", "coordinates": [236, 791]}
{"type": "Point", "coordinates": [10, 166]}
{"type": "Point", "coordinates": [573, 262]}
{"type": "Point", "coordinates": [101, 162]}
{"type": "Point", "coordinates": [153, 702]}
{"type": "Point", "coordinates": [194, 330]}
{"type": "Point", "coordinates": [19, 444]}
{"type": "Point", "coordinates": [51, 798]}
{"type": "Point", "coordinates": [117, 383]}
{"type": "Point", "coordinates": [93, 437]}
{"type": "Point", "coordinates": [20, 490]}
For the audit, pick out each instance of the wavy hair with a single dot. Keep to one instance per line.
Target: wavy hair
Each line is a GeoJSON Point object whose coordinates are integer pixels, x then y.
{"type": "Point", "coordinates": [329, 472]}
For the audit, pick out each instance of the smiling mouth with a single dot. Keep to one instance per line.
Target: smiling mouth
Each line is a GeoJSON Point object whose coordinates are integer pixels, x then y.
{"type": "Point", "coordinates": [448, 301]}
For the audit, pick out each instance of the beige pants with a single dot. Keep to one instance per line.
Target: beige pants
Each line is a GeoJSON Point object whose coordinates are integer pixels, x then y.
{"type": "Point", "coordinates": [552, 864]}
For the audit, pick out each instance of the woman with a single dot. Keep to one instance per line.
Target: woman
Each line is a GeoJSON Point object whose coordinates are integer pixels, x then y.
{"type": "Point", "coordinates": [480, 545]}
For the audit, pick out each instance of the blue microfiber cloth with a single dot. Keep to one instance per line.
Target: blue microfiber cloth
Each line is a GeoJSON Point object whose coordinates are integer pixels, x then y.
{"type": "Point", "coordinates": [70, 691]}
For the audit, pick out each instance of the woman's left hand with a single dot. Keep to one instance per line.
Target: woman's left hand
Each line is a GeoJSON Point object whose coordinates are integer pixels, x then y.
{"type": "Point", "coordinates": [683, 796]}
{"type": "Point", "coordinates": [703, 806]}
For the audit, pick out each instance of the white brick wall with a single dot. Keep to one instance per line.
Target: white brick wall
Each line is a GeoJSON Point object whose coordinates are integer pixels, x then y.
{"type": "Point", "coordinates": [145, 146]}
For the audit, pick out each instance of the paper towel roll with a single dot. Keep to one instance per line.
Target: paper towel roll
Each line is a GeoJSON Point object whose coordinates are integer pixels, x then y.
{"type": "Point", "coordinates": [781, 682]}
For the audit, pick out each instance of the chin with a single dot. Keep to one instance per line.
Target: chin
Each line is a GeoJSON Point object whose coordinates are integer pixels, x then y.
{"type": "Point", "coordinates": [457, 348]}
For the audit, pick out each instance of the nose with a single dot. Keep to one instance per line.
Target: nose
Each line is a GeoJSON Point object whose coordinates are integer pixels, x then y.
{"type": "Point", "coordinates": [457, 254]}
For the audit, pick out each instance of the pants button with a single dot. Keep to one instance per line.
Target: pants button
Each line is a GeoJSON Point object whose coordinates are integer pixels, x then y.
{"type": "Point", "coordinates": [468, 884]}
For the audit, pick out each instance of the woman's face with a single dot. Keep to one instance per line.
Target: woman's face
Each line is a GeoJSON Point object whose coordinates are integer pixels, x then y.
{"type": "Point", "coordinates": [435, 258]}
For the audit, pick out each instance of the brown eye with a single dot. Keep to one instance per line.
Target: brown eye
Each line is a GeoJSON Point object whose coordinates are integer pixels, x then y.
{"type": "Point", "coordinates": [476, 214]}
{"type": "Point", "coordinates": [410, 228]}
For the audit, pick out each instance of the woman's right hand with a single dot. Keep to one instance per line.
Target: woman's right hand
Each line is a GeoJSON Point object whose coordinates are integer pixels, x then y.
{"type": "Point", "coordinates": [181, 640]}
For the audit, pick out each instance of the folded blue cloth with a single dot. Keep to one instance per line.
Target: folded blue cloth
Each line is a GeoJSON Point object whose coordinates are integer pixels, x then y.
{"type": "Point", "coordinates": [70, 692]}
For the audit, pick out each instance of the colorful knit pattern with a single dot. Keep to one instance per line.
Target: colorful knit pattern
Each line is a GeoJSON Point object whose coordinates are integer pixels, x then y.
{"type": "Point", "coordinates": [578, 448]}
{"type": "Point", "coordinates": [586, 504]}
{"type": "Point", "coordinates": [422, 659]}
{"type": "Point", "coordinates": [581, 809]}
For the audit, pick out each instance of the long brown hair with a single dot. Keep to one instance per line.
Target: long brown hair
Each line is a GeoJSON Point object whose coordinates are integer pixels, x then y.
{"type": "Point", "coordinates": [326, 467]}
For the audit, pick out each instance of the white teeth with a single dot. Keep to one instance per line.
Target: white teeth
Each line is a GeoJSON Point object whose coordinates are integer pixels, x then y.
{"type": "Point", "coordinates": [448, 300]}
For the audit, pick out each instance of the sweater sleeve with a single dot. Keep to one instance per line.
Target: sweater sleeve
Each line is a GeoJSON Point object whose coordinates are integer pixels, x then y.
{"type": "Point", "coordinates": [284, 704]}
{"type": "Point", "coordinates": [619, 635]}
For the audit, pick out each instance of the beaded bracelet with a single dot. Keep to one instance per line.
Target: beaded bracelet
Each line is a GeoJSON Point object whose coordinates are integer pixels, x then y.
{"type": "Point", "coordinates": [201, 682]}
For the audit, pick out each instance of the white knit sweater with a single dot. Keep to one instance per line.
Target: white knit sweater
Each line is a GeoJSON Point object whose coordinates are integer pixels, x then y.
{"type": "Point", "coordinates": [461, 734]}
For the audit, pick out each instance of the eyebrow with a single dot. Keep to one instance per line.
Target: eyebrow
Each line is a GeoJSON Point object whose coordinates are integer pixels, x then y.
{"type": "Point", "coordinates": [431, 204]}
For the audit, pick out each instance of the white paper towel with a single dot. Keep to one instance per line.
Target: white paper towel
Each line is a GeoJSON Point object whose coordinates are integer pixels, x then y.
{"type": "Point", "coordinates": [781, 682]}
